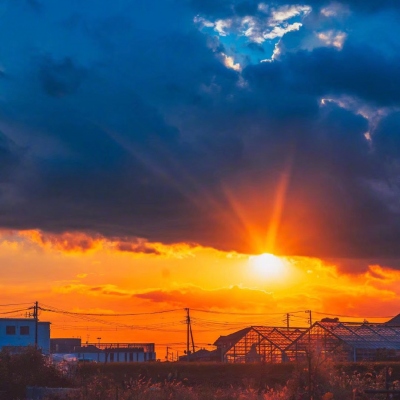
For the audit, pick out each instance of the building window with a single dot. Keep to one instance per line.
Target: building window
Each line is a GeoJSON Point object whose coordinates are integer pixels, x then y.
{"type": "Point", "coordinates": [111, 357]}
{"type": "Point", "coordinates": [10, 330]}
{"type": "Point", "coordinates": [24, 330]}
{"type": "Point", "coordinates": [131, 357]}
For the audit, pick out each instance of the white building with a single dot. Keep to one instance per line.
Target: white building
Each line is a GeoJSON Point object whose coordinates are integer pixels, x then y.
{"type": "Point", "coordinates": [16, 333]}
{"type": "Point", "coordinates": [117, 352]}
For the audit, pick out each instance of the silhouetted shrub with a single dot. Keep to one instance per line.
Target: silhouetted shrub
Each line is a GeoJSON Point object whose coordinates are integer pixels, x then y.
{"type": "Point", "coordinates": [27, 368]}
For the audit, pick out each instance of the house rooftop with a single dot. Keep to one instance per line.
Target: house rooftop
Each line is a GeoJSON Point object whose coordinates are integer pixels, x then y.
{"type": "Point", "coordinates": [395, 321]}
{"type": "Point", "coordinates": [232, 338]}
{"type": "Point", "coordinates": [22, 320]}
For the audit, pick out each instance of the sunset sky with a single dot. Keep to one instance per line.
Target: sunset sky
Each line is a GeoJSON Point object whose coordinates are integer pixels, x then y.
{"type": "Point", "coordinates": [235, 157]}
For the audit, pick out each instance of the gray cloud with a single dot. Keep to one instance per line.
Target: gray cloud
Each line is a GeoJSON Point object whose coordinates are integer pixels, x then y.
{"type": "Point", "coordinates": [133, 126]}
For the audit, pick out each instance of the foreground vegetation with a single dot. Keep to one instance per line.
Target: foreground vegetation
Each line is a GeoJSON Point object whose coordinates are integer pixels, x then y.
{"type": "Point", "coordinates": [327, 381]}
{"type": "Point", "coordinates": [29, 368]}
{"type": "Point", "coordinates": [182, 381]}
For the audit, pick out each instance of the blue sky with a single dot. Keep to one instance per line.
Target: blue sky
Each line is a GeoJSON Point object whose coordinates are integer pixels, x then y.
{"type": "Point", "coordinates": [177, 121]}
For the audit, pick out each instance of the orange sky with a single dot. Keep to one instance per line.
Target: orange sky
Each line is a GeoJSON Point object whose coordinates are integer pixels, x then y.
{"type": "Point", "coordinates": [78, 273]}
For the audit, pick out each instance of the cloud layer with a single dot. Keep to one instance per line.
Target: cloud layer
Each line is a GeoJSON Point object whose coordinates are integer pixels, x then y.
{"type": "Point", "coordinates": [131, 120]}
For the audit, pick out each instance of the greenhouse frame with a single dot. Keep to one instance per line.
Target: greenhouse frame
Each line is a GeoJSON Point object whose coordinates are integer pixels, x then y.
{"type": "Point", "coordinates": [258, 344]}
{"type": "Point", "coordinates": [347, 341]}
{"type": "Point", "coordinates": [343, 341]}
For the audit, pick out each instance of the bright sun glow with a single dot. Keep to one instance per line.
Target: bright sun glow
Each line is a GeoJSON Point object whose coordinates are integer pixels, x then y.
{"type": "Point", "coordinates": [268, 266]}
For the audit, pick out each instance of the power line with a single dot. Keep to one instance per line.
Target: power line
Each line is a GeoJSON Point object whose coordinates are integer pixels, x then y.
{"type": "Point", "coordinates": [351, 316]}
{"type": "Point", "coordinates": [109, 315]}
{"type": "Point", "coordinates": [14, 304]}
{"type": "Point", "coordinates": [237, 313]}
{"type": "Point", "coordinates": [110, 325]}
{"type": "Point", "coordinates": [54, 309]}
{"type": "Point", "coordinates": [15, 311]}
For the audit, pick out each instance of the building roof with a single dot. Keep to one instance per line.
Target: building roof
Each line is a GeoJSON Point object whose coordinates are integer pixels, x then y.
{"type": "Point", "coordinates": [279, 337]}
{"type": "Point", "coordinates": [116, 347]}
{"type": "Point", "coordinates": [229, 340]}
{"type": "Point", "coordinates": [26, 320]}
{"type": "Point", "coordinates": [395, 321]}
{"type": "Point", "coordinates": [202, 354]}
{"type": "Point", "coordinates": [361, 335]}
{"type": "Point", "coordinates": [88, 349]}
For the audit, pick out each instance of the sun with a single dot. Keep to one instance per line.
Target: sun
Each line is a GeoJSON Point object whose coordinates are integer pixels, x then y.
{"type": "Point", "coordinates": [268, 266]}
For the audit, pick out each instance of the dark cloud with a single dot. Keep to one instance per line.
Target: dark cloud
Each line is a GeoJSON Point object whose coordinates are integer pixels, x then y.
{"type": "Point", "coordinates": [35, 4]}
{"type": "Point", "coordinates": [249, 7]}
{"type": "Point", "coordinates": [228, 8]}
{"type": "Point", "coordinates": [362, 265]}
{"type": "Point", "coordinates": [10, 158]}
{"type": "Point", "coordinates": [60, 78]}
{"type": "Point", "coordinates": [138, 247]}
{"type": "Point", "coordinates": [68, 242]}
{"type": "Point", "coordinates": [361, 71]}
{"type": "Point", "coordinates": [368, 5]}
{"type": "Point", "coordinates": [134, 126]}
{"type": "Point", "coordinates": [242, 298]}
{"type": "Point", "coordinates": [387, 138]}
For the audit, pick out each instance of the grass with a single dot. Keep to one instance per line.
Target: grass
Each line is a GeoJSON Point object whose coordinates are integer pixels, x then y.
{"type": "Point", "coordinates": [326, 380]}
{"type": "Point", "coordinates": [169, 381]}
{"type": "Point", "coordinates": [211, 374]}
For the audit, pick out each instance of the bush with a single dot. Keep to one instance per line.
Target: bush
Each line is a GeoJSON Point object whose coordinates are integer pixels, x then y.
{"type": "Point", "coordinates": [27, 368]}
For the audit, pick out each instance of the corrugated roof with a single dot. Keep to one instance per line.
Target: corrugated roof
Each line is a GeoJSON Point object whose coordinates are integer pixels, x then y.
{"type": "Point", "coordinates": [363, 336]}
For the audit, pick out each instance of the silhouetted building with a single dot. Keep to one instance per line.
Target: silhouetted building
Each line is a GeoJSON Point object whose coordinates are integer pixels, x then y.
{"type": "Point", "coordinates": [116, 352]}
{"type": "Point", "coordinates": [394, 321]}
{"type": "Point", "coordinates": [19, 333]}
{"type": "Point", "coordinates": [64, 345]}
{"type": "Point", "coordinates": [202, 355]}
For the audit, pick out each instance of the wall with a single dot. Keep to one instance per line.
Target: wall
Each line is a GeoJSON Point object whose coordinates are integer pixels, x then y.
{"type": "Point", "coordinates": [116, 356]}
{"type": "Point", "coordinates": [27, 338]}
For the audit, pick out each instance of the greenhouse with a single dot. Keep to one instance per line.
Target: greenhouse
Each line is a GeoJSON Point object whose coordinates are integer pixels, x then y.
{"type": "Point", "coordinates": [258, 344]}
{"type": "Point", "coordinates": [347, 342]}
{"type": "Point", "coordinates": [343, 341]}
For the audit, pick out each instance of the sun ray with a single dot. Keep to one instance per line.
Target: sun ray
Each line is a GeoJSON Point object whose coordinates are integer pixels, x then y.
{"type": "Point", "coordinates": [279, 203]}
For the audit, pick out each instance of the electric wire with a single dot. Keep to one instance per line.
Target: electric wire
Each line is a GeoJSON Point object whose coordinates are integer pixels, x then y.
{"type": "Point", "coordinates": [352, 316]}
{"type": "Point", "coordinates": [115, 325]}
{"type": "Point", "coordinates": [14, 311]}
{"type": "Point", "coordinates": [111, 315]}
{"type": "Point", "coordinates": [237, 313]}
{"type": "Point", "coordinates": [202, 324]}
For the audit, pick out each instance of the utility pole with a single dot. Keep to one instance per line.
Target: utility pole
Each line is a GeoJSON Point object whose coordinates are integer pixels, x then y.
{"type": "Point", "coordinates": [187, 332]}
{"type": "Point", "coordinates": [191, 335]}
{"type": "Point", "coordinates": [287, 320]}
{"type": "Point", "coordinates": [309, 312]}
{"type": "Point", "coordinates": [36, 318]}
